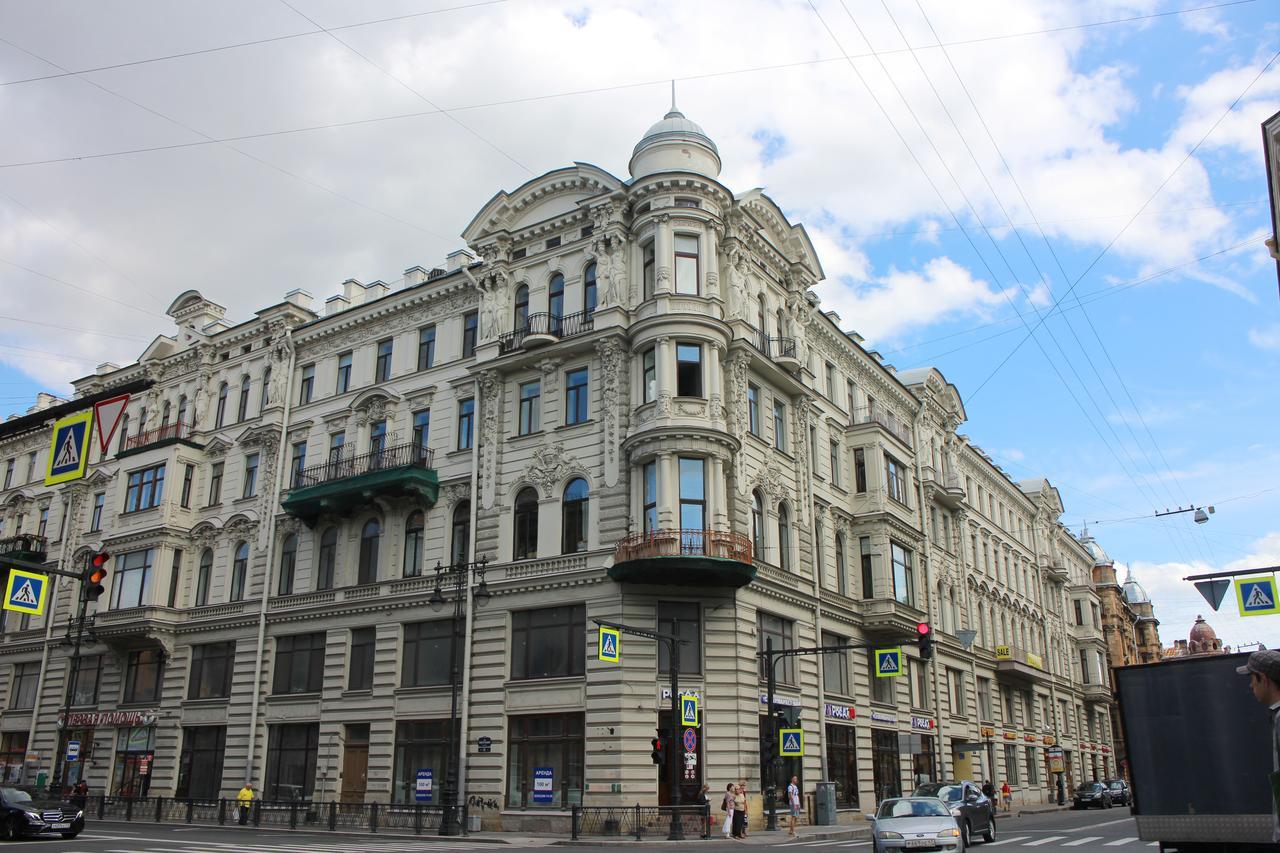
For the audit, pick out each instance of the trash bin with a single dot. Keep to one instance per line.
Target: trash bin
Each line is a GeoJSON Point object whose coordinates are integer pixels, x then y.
{"type": "Point", "coordinates": [824, 812]}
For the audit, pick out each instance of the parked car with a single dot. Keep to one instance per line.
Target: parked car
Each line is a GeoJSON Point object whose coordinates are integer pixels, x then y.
{"type": "Point", "coordinates": [1120, 793]}
{"type": "Point", "coordinates": [1091, 794]}
{"type": "Point", "coordinates": [23, 815]}
{"type": "Point", "coordinates": [975, 813]}
{"type": "Point", "coordinates": [914, 823]}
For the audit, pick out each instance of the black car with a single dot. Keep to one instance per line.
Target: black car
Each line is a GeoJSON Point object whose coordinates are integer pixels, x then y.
{"type": "Point", "coordinates": [975, 813]}
{"type": "Point", "coordinates": [22, 815]}
{"type": "Point", "coordinates": [1092, 794]}
{"type": "Point", "coordinates": [1120, 793]}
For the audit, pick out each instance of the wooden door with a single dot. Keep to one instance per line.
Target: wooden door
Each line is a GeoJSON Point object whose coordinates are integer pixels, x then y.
{"type": "Point", "coordinates": [355, 763]}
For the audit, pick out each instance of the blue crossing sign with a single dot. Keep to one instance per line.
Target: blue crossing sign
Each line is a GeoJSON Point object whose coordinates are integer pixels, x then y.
{"type": "Point", "coordinates": [610, 644]}
{"type": "Point", "coordinates": [888, 662]}
{"type": "Point", "coordinates": [688, 710]}
{"type": "Point", "coordinates": [26, 592]}
{"type": "Point", "coordinates": [69, 449]}
{"type": "Point", "coordinates": [791, 743]}
{"type": "Point", "coordinates": [1257, 596]}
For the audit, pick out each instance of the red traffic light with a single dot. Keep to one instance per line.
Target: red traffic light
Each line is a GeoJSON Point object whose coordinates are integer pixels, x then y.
{"type": "Point", "coordinates": [98, 560]}
{"type": "Point", "coordinates": [923, 628]}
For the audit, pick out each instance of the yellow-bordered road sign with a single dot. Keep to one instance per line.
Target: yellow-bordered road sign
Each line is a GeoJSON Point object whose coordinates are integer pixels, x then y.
{"type": "Point", "coordinates": [26, 592]}
{"type": "Point", "coordinates": [69, 450]}
{"type": "Point", "coordinates": [888, 662]}
{"type": "Point", "coordinates": [1257, 596]}
{"type": "Point", "coordinates": [610, 644]}
{"type": "Point", "coordinates": [791, 743]}
{"type": "Point", "coordinates": [688, 710]}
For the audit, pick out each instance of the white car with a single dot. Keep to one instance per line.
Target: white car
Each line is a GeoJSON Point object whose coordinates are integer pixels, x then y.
{"type": "Point", "coordinates": [914, 823]}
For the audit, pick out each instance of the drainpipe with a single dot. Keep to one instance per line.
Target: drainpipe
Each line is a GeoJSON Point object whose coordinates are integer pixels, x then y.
{"type": "Point", "coordinates": [464, 693]}
{"type": "Point", "coordinates": [267, 525]}
{"type": "Point", "coordinates": [67, 539]}
{"type": "Point", "coordinates": [928, 580]}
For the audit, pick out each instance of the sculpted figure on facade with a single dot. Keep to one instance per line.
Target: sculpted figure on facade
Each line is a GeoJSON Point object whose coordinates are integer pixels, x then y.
{"type": "Point", "coordinates": [490, 394]}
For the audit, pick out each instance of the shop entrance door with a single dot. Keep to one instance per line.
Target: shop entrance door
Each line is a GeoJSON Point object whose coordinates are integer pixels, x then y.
{"type": "Point", "coordinates": [355, 762]}
{"type": "Point", "coordinates": [690, 777]}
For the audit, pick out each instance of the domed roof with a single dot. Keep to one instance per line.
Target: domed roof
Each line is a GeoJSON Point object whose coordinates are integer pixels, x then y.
{"type": "Point", "coordinates": [1133, 591]}
{"type": "Point", "coordinates": [674, 125]}
{"type": "Point", "coordinates": [675, 144]}
{"type": "Point", "coordinates": [1091, 545]}
{"type": "Point", "coordinates": [1202, 632]}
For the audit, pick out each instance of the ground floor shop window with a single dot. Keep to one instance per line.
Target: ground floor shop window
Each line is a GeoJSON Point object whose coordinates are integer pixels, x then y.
{"type": "Point", "coordinates": [13, 753]}
{"type": "Point", "coordinates": [544, 762]}
{"type": "Point", "coordinates": [884, 764]}
{"type": "Point", "coordinates": [1033, 769]}
{"type": "Point", "coordinates": [75, 770]}
{"type": "Point", "coordinates": [924, 761]}
{"type": "Point", "coordinates": [131, 772]}
{"type": "Point", "coordinates": [420, 745]}
{"type": "Point", "coordinates": [786, 767]}
{"type": "Point", "coordinates": [200, 765]}
{"type": "Point", "coordinates": [842, 764]}
{"type": "Point", "coordinates": [1011, 764]}
{"type": "Point", "coordinates": [291, 761]}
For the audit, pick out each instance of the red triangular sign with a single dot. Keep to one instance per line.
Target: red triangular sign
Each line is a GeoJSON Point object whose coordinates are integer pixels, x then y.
{"type": "Point", "coordinates": [107, 414]}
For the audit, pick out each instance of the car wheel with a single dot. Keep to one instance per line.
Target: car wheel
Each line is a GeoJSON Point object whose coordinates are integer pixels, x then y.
{"type": "Point", "coordinates": [8, 830]}
{"type": "Point", "coordinates": [965, 833]}
{"type": "Point", "coordinates": [990, 835]}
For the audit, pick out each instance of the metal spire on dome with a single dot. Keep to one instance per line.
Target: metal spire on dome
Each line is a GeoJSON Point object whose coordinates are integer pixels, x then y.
{"type": "Point", "coordinates": [674, 112]}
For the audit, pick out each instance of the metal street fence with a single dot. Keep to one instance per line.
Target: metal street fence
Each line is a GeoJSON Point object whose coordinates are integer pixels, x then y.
{"type": "Point", "coordinates": [639, 821]}
{"type": "Point", "coordinates": [294, 814]}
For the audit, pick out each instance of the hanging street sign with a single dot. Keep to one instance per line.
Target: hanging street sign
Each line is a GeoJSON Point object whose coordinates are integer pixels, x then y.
{"type": "Point", "coordinates": [69, 449]}
{"type": "Point", "coordinates": [73, 750]}
{"type": "Point", "coordinates": [688, 710]}
{"type": "Point", "coordinates": [1214, 590]}
{"type": "Point", "coordinates": [690, 740]}
{"type": "Point", "coordinates": [1257, 596]}
{"type": "Point", "coordinates": [791, 743]}
{"type": "Point", "coordinates": [888, 662]}
{"type": "Point", "coordinates": [610, 644]}
{"type": "Point", "coordinates": [26, 592]}
{"type": "Point", "coordinates": [107, 414]}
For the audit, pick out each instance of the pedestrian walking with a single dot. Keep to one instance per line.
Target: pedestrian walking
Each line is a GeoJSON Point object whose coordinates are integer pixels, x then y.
{"type": "Point", "coordinates": [1263, 669]}
{"type": "Point", "coordinates": [793, 803]}
{"type": "Point", "coordinates": [706, 808]}
{"type": "Point", "coordinates": [1006, 795]}
{"type": "Point", "coordinates": [726, 806]}
{"type": "Point", "coordinates": [244, 802]}
{"type": "Point", "coordinates": [740, 811]}
{"type": "Point", "coordinates": [80, 794]}
{"type": "Point", "coordinates": [988, 790]}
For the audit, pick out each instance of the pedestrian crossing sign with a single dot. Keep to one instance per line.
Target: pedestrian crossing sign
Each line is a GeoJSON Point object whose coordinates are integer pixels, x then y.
{"type": "Point", "coordinates": [610, 644]}
{"type": "Point", "coordinates": [1257, 596]}
{"type": "Point", "coordinates": [26, 592]}
{"type": "Point", "coordinates": [791, 743]}
{"type": "Point", "coordinates": [888, 662]}
{"type": "Point", "coordinates": [688, 710]}
{"type": "Point", "coordinates": [69, 449]}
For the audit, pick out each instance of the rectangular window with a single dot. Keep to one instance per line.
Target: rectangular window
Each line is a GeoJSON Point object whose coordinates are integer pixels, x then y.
{"type": "Point", "coordinates": [541, 746]}
{"type": "Point", "coordinates": [95, 516]}
{"type": "Point", "coordinates": [360, 666]}
{"type": "Point", "coordinates": [382, 366]}
{"type": "Point", "coordinates": [779, 425]}
{"type": "Point", "coordinates": [8, 473]}
{"type": "Point", "coordinates": [470, 325]}
{"type": "Point", "coordinates": [955, 689]}
{"type": "Point", "coordinates": [650, 496]}
{"type": "Point", "coordinates": [689, 370]}
{"type": "Point", "coordinates": [984, 700]}
{"type": "Point", "coordinates": [22, 690]}
{"type": "Point", "coordinates": [686, 264]}
{"type": "Point", "coordinates": [831, 381]}
{"type": "Point", "coordinates": [466, 422]}
{"type": "Point", "coordinates": [297, 463]}
{"type": "Point", "coordinates": [131, 581]}
{"type": "Point", "coordinates": [868, 577]}
{"type": "Point", "coordinates": [782, 632]}
{"type": "Point", "coordinates": [683, 619]}
{"type": "Point", "coordinates": [215, 484]}
{"type": "Point", "coordinates": [426, 347]}
{"type": "Point", "coordinates": [291, 761]}
{"type": "Point", "coordinates": [842, 763]}
{"type": "Point", "coordinates": [895, 479]}
{"type": "Point", "coordinates": [835, 463]}
{"type": "Point", "coordinates": [553, 242]}
{"type": "Point", "coordinates": [337, 444]}
{"type": "Point", "coordinates": [211, 668]}
{"type": "Point", "coordinates": [31, 463]}
{"type": "Point", "coordinates": [850, 397]}
{"type": "Point", "coordinates": [1079, 610]}
{"type": "Point", "coordinates": [835, 666]}
{"type": "Point", "coordinates": [647, 255]}
{"type": "Point", "coordinates": [142, 673]}
{"type": "Point", "coordinates": [145, 489]}
{"type": "Point", "coordinates": [548, 643]}
{"type": "Point", "coordinates": [42, 526]}
{"type": "Point", "coordinates": [1011, 763]}
{"type": "Point", "coordinates": [307, 386]}
{"type": "Point", "coordinates": [422, 432]}
{"type": "Point", "coordinates": [813, 450]}
{"type": "Point", "coordinates": [920, 686]}
{"type": "Point", "coordinates": [420, 745]}
{"type": "Point", "coordinates": [188, 480]}
{"type": "Point", "coordinates": [883, 690]}
{"type": "Point", "coordinates": [693, 500]}
{"type": "Point", "coordinates": [87, 676]}
{"type": "Point", "coordinates": [1033, 768]}
{"type": "Point", "coordinates": [860, 471]}
{"type": "Point", "coordinates": [1093, 609]}
{"type": "Point", "coordinates": [426, 654]}
{"type": "Point", "coordinates": [1007, 696]}
{"type": "Point", "coordinates": [649, 374]}
{"type": "Point", "coordinates": [530, 419]}
{"type": "Point", "coordinates": [903, 574]}
{"type": "Point", "coordinates": [250, 476]}
{"type": "Point", "coordinates": [575, 399]}
{"type": "Point", "coordinates": [1084, 666]}
{"type": "Point", "coordinates": [200, 764]}
{"type": "Point", "coordinates": [344, 373]}
{"type": "Point", "coordinates": [175, 576]}
{"type": "Point", "coordinates": [299, 664]}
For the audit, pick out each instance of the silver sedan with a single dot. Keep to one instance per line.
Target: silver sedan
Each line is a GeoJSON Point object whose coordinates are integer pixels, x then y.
{"type": "Point", "coordinates": [914, 823]}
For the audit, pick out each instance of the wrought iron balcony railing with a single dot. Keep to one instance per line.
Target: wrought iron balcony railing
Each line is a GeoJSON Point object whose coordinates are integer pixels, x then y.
{"type": "Point", "coordinates": [551, 325]}
{"type": "Point", "coordinates": [896, 426]}
{"type": "Point", "coordinates": [398, 456]}
{"type": "Point", "coordinates": [772, 347]}
{"type": "Point", "coordinates": [24, 546]}
{"type": "Point", "coordinates": [723, 544]}
{"type": "Point", "coordinates": [177, 429]}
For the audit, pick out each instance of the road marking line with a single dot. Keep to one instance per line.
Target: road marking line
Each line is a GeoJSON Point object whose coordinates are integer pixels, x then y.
{"type": "Point", "coordinates": [1007, 840]}
{"type": "Point", "coordinates": [1110, 822]}
{"type": "Point", "coordinates": [1040, 841]}
{"type": "Point", "coordinates": [1120, 842]}
{"type": "Point", "coordinates": [854, 844]}
{"type": "Point", "coordinates": [1080, 841]}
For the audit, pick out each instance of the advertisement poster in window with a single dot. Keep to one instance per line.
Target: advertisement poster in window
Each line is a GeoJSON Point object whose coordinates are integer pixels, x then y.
{"type": "Point", "coordinates": [543, 784]}
{"type": "Point", "coordinates": [423, 786]}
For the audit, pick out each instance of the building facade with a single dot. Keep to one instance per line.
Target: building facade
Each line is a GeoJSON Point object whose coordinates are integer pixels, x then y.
{"type": "Point", "coordinates": [622, 403]}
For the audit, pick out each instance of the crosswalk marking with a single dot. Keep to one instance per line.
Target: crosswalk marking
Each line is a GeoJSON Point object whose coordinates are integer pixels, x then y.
{"type": "Point", "coordinates": [1040, 841]}
{"type": "Point", "coordinates": [1007, 840]}
{"type": "Point", "coordinates": [1081, 841]}
{"type": "Point", "coordinates": [1120, 841]}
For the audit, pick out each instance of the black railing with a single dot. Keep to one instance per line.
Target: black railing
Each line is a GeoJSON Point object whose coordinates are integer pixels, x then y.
{"type": "Point", "coordinates": [638, 821]}
{"type": "Point", "coordinates": [24, 543]}
{"type": "Point", "coordinates": [416, 818]}
{"type": "Point", "coordinates": [177, 429]}
{"type": "Point", "coordinates": [542, 323]}
{"type": "Point", "coordinates": [397, 456]}
{"type": "Point", "coordinates": [772, 347]}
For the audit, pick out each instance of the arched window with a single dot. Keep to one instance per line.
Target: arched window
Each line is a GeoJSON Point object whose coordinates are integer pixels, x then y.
{"type": "Point", "coordinates": [589, 289]}
{"type": "Point", "coordinates": [757, 525]}
{"type": "Point", "coordinates": [164, 414]}
{"type": "Point", "coordinates": [820, 551]}
{"type": "Point", "coordinates": [760, 315]}
{"type": "Point", "coordinates": [220, 414]}
{"type": "Point", "coordinates": [182, 410]}
{"type": "Point", "coordinates": [204, 577]}
{"type": "Point", "coordinates": [242, 406]}
{"type": "Point", "coordinates": [461, 534]}
{"type": "Point", "coordinates": [265, 399]}
{"type": "Point", "coordinates": [370, 536]}
{"type": "Point", "coordinates": [288, 562]}
{"type": "Point", "coordinates": [124, 433]}
{"type": "Point", "coordinates": [573, 517]}
{"type": "Point", "coordinates": [955, 611]}
{"type": "Point", "coordinates": [239, 571]}
{"type": "Point", "coordinates": [555, 297]}
{"type": "Point", "coordinates": [526, 525]}
{"type": "Point", "coordinates": [327, 558]}
{"type": "Point", "coordinates": [413, 545]}
{"type": "Point", "coordinates": [522, 307]}
{"type": "Point", "coordinates": [784, 538]}
{"type": "Point", "coordinates": [840, 567]}
{"type": "Point", "coordinates": [782, 323]}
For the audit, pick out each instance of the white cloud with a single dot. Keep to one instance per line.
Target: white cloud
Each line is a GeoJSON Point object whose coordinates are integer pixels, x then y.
{"type": "Point", "coordinates": [1265, 337]}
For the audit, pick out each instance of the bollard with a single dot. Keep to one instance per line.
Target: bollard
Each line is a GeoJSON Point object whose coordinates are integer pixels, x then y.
{"type": "Point", "coordinates": [159, 804]}
{"type": "Point", "coordinates": [128, 809]}
{"type": "Point", "coordinates": [222, 811]}
{"type": "Point", "coordinates": [293, 815]}
{"type": "Point", "coordinates": [373, 817]}
{"type": "Point", "coordinates": [417, 818]}
{"type": "Point", "coordinates": [638, 833]}
{"type": "Point", "coordinates": [333, 816]}
{"type": "Point", "coordinates": [191, 810]}
{"type": "Point", "coordinates": [256, 809]}
{"type": "Point", "coordinates": [575, 816]}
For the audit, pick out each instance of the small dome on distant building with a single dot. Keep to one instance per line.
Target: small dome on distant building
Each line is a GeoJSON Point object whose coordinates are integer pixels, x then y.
{"type": "Point", "coordinates": [1133, 591]}
{"type": "Point", "coordinates": [1091, 545]}
{"type": "Point", "coordinates": [1203, 639]}
{"type": "Point", "coordinates": [675, 144]}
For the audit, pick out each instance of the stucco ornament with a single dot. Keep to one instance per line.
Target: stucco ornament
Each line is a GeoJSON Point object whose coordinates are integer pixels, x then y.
{"type": "Point", "coordinates": [490, 393]}
{"type": "Point", "coordinates": [549, 465]}
{"type": "Point", "coordinates": [493, 297]}
{"type": "Point", "coordinates": [614, 406]}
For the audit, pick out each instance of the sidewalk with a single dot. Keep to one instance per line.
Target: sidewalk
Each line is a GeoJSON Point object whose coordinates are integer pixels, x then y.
{"type": "Point", "coordinates": [758, 837]}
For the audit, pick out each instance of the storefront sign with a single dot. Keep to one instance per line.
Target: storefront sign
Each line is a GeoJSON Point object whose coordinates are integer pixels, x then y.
{"type": "Point", "coordinates": [543, 784]}
{"type": "Point", "coordinates": [839, 712]}
{"type": "Point", "coordinates": [1004, 653]}
{"type": "Point", "coordinates": [1010, 736]}
{"type": "Point", "coordinates": [1035, 660]}
{"type": "Point", "coordinates": [94, 719]}
{"type": "Point", "coordinates": [987, 731]}
{"type": "Point", "coordinates": [924, 724]}
{"type": "Point", "coordinates": [1029, 738]}
{"type": "Point", "coordinates": [423, 785]}
{"type": "Point", "coordinates": [880, 717]}
{"type": "Point", "coordinates": [1049, 741]}
{"type": "Point", "coordinates": [1055, 759]}
{"type": "Point", "coordinates": [144, 765]}
{"type": "Point", "coordinates": [665, 694]}
{"type": "Point", "coordinates": [781, 700]}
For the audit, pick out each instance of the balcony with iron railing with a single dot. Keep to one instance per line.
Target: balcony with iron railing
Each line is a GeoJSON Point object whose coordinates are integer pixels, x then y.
{"type": "Point", "coordinates": [543, 328]}
{"type": "Point", "coordinates": [1018, 664]}
{"type": "Point", "coordinates": [684, 557]}
{"type": "Point", "coordinates": [25, 546]}
{"type": "Point", "coordinates": [946, 487]}
{"type": "Point", "coordinates": [346, 482]}
{"type": "Point", "coordinates": [899, 428]}
{"type": "Point", "coordinates": [176, 431]}
{"type": "Point", "coordinates": [781, 351]}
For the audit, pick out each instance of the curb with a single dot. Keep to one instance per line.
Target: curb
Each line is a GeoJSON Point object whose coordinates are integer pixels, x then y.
{"type": "Point", "coordinates": [473, 838]}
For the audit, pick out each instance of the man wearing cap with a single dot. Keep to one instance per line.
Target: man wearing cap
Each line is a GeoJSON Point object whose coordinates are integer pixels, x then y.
{"type": "Point", "coordinates": [1263, 669]}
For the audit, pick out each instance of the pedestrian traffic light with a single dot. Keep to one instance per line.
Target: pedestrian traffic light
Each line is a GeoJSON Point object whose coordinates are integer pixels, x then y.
{"type": "Point", "coordinates": [769, 744]}
{"type": "Point", "coordinates": [926, 640]}
{"type": "Point", "coordinates": [659, 755]}
{"type": "Point", "coordinates": [789, 716]}
{"type": "Point", "coordinates": [95, 575]}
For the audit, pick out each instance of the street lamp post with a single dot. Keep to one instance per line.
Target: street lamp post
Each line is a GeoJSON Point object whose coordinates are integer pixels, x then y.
{"type": "Point", "coordinates": [454, 580]}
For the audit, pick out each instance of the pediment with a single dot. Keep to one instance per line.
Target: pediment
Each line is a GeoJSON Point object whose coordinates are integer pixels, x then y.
{"type": "Point", "coordinates": [792, 240]}
{"type": "Point", "coordinates": [544, 198]}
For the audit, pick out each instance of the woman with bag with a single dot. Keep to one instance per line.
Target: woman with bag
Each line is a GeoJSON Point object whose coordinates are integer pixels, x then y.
{"type": "Point", "coordinates": [726, 806]}
{"type": "Point", "coordinates": [740, 811]}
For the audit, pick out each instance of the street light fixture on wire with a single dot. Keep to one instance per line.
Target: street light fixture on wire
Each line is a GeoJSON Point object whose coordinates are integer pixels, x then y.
{"type": "Point", "coordinates": [452, 583]}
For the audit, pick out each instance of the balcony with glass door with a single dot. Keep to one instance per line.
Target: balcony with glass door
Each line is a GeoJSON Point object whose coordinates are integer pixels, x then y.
{"type": "Point", "coordinates": [344, 483]}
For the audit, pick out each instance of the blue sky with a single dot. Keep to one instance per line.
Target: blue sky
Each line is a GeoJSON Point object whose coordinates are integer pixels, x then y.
{"type": "Point", "coordinates": [1167, 390]}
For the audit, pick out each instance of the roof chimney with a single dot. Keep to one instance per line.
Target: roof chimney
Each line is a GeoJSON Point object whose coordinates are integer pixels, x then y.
{"type": "Point", "coordinates": [352, 291]}
{"type": "Point", "coordinates": [375, 290]}
{"type": "Point", "coordinates": [414, 275]}
{"type": "Point", "coordinates": [300, 298]}
{"type": "Point", "coordinates": [458, 259]}
{"type": "Point", "coordinates": [335, 305]}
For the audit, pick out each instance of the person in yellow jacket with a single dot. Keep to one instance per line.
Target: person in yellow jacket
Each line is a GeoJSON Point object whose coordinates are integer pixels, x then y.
{"type": "Point", "coordinates": [244, 801]}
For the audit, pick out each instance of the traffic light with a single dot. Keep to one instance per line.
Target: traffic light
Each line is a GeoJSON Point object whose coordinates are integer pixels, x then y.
{"type": "Point", "coordinates": [95, 575]}
{"type": "Point", "coordinates": [789, 716]}
{"type": "Point", "coordinates": [659, 755]}
{"type": "Point", "coordinates": [769, 744]}
{"type": "Point", "coordinates": [926, 640]}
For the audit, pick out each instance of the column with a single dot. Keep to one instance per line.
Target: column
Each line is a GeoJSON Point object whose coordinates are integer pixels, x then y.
{"type": "Point", "coordinates": [718, 513]}
{"type": "Point", "coordinates": [668, 491]}
{"type": "Point", "coordinates": [663, 257]}
{"type": "Point", "coordinates": [665, 355]}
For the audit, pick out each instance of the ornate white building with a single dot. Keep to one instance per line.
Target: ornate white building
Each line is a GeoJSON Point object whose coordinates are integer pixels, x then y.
{"type": "Point", "coordinates": [625, 400]}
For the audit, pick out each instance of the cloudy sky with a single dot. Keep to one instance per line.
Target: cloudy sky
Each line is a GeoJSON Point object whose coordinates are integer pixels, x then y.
{"type": "Point", "coordinates": [1060, 205]}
